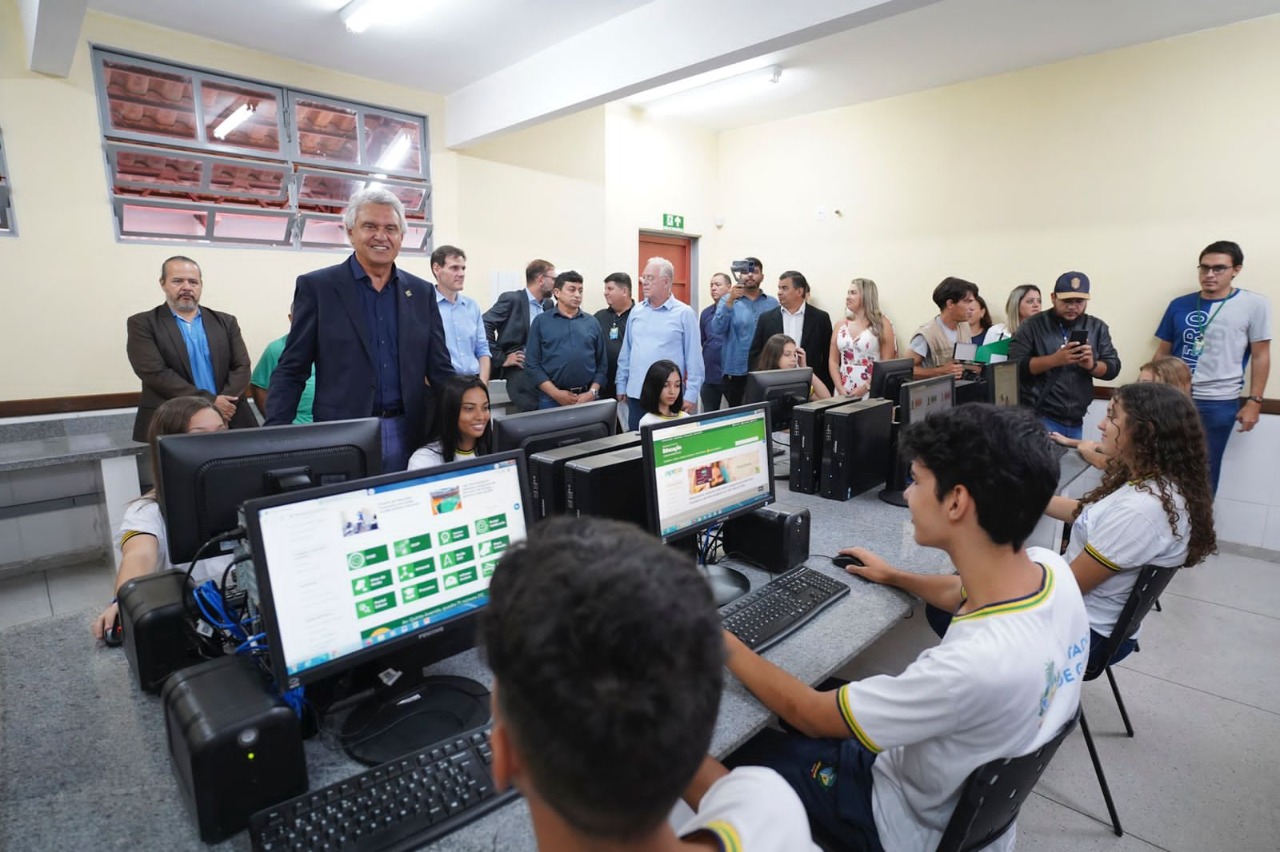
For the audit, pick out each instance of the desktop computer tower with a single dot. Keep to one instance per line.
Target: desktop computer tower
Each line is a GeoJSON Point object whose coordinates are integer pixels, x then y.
{"type": "Point", "coordinates": [970, 390]}
{"type": "Point", "coordinates": [806, 443]}
{"type": "Point", "coordinates": [158, 635]}
{"type": "Point", "coordinates": [775, 537]}
{"type": "Point", "coordinates": [855, 448]}
{"type": "Point", "coordinates": [607, 485]}
{"type": "Point", "coordinates": [546, 469]}
{"type": "Point", "coordinates": [235, 746]}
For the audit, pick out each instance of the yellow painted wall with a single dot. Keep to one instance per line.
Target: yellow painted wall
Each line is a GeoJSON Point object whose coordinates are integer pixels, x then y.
{"type": "Point", "coordinates": [1123, 165]}
{"type": "Point", "coordinates": [67, 285]}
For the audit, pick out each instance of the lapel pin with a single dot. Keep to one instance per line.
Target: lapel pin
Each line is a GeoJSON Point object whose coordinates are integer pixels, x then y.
{"type": "Point", "coordinates": [408, 294]}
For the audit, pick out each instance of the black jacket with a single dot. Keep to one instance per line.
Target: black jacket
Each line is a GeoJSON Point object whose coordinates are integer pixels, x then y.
{"type": "Point", "coordinates": [1063, 393]}
{"type": "Point", "coordinates": [507, 326]}
{"type": "Point", "coordinates": [815, 339]}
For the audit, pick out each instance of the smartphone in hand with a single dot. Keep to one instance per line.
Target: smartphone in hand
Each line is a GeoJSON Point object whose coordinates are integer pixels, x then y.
{"type": "Point", "coordinates": [1078, 337]}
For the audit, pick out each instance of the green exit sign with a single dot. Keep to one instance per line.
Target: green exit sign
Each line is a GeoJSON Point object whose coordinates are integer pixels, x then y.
{"type": "Point", "coordinates": [671, 220]}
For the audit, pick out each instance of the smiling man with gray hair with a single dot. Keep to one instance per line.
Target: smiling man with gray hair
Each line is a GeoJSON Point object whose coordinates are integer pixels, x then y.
{"type": "Point", "coordinates": [373, 332]}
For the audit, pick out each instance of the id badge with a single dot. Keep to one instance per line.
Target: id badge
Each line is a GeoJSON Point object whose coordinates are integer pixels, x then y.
{"type": "Point", "coordinates": [1198, 347]}
{"type": "Point", "coordinates": [613, 333]}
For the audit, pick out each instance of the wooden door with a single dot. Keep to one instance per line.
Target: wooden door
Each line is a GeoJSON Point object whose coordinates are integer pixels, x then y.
{"type": "Point", "coordinates": [678, 250]}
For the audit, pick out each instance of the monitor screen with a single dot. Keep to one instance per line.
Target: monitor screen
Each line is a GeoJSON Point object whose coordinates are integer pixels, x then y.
{"type": "Point", "coordinates": [966, 352]}
{"type": "Point", "coordinates": [204, 478]}
{"type": "Point", "coordinates": [537, 431]}
{"type": "Point", "coordinates": [1003, 379]}
{"type": "Point", "coordinates": [922, 398]}
{"type": "Point", "coordinates": [782, 389]}
{"type": "Point", "coordinates": [887, 377]}
{"type": "Point", "coordinates": [703, 470]}
{"type": "Point", "coordinates": [347, 573]}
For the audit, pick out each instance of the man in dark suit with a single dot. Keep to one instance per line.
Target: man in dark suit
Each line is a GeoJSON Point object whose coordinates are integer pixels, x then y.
{"type": "Point", "coordinates": [794, 313]}
{"type": "Point", "coordinates": [373, 333]}
{"type": "Point", "coordinates": [182, 349]}
{"type": "Point", "coordinates": [507, 324]}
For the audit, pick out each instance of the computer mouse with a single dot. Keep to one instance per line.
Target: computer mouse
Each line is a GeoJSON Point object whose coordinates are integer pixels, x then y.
{"type": "Point", "coordinates": [844, 560]}
{"type": "Point", "coordinates": [114, 635]}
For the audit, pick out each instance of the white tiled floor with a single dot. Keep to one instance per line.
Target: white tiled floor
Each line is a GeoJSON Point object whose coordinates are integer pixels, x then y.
{"type": "Point", "coordinates": [1199, 776]}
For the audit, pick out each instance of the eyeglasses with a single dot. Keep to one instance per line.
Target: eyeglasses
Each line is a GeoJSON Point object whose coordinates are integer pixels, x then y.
{"type": "Point", "coordinates": [1216, 270]}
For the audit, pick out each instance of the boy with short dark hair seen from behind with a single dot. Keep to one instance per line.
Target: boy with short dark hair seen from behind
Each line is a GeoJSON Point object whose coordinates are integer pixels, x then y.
{"type": "Point", "coordinates": [607, 659]}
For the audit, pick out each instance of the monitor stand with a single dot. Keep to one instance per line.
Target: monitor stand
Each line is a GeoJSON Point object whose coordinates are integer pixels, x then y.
{"type": "Point", "coordinates": [727, 584]}
{"type": "Point", "coordinates": [894, 492]}
{"type": "Point", "coordinates": [390, 725]}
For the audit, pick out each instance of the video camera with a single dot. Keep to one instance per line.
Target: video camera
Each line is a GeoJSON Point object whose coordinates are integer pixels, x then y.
{"type": "Point", "coordinates": [742, 267]}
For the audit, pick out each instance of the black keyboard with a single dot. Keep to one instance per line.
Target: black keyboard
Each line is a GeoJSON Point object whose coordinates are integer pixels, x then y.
{"type": "Point", "coordinates": [401, 804]}
{"type": "Point", "coordinates": [766, 616]}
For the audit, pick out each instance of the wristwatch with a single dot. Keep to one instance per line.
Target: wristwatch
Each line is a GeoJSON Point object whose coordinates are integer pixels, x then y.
{"type": "Point", "coordinates": [595, 393]}
{"type": "Point", "coordinates": [1256, 399]}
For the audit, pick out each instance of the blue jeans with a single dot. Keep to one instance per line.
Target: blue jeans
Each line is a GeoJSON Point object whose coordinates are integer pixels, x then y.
{"type": "Point", "coordinates": [545, 402]}
{"type": "Point", "coordinates": [1063, 429]}
{"type": "Point", "coordinates": [831, 777]}
{"type": "Point", "coordinates": [396, 440]}
{"type": "Point", "coordinates": [1218, 417]}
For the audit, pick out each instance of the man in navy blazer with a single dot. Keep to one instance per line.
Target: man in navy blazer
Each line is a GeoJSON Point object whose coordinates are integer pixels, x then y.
{"type": "Point", "coordinates": [373, 333]}
{"type": "Point", "coordinates": [507, 325]}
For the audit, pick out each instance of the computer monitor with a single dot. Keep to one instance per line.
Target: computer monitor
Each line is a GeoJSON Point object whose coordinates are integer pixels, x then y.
{"type": "Point", "coordinates": [353, 575]}
{"type": "Point", "coordinates": [701, 471]}
{"type": "Point", "coordinates": [1002, 382]}
{"type": "Point", "coordinates": [782, 389]}
{"type": "Point", "coordinates": [204, 478]}
{"type": "Point", "coordinates": [536, 431]}
{"type": "Point", "coordinates": [917, 400]}
{"type": "Point", "coordinates": [887, 377]}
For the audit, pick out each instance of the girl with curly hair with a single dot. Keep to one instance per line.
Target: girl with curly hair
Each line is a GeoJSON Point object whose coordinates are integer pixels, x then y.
{"type": "Point", "coordinates": [1154, 506]}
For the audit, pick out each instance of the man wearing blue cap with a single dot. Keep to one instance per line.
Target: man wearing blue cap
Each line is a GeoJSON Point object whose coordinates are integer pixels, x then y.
{"type": "Point", "coordinates": [1060, 352]}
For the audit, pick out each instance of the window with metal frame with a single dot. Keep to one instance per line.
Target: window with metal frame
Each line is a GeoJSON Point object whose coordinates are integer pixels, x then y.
{"type": "Point", "coordinates": [7, 226]}
{"type": "Point", "coordinates": [194, 155]}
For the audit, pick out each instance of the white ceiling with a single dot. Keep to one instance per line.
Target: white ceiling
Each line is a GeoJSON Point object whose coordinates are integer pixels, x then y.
{"type": "Point", "coordinates": [833, 52]}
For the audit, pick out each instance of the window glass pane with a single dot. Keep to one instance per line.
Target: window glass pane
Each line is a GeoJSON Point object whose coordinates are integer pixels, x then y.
{"type": "Point", "coordinates": [323, 232]}
{"type": "Point", "coordinates": [411, 197]}
{"type": "Point", "coordinates": [326, 131]}
{"type": "Point", "coordinates": [392, 144]}
{"type": "Point", "coordinates": [146, 100]}
{"type": "Point", "coordinates": [240, 116]}
{"type": "Point", "coordinates": [168, 169]}
{"type": "Point", "coordinates": [140, 220]}
{"type": "Point", "coordinates": [257, 227]}
{"type": "Point", "coordinates": [249, 179]}
{"type": "Point", "coordinates": [327, 193]}
{"type": "Point", "coordinates": [415, 237]}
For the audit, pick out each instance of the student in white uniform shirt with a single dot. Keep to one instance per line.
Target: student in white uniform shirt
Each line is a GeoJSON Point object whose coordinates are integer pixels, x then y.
{"type": "Point", "coordinates": [879, 763]}
{"type": "Point", "coordinates": [144, 547]}
{"type": "Point", "coordinates": [1154, 506]}
{"type": "Point", "coordinates": [462, 429]}
{"type": "Point", "coordinates": [608, 666]}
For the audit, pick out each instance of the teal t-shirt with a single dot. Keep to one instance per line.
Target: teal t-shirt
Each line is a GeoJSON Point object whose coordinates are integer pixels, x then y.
{"type": "Point", "coordinates": [267, 365]}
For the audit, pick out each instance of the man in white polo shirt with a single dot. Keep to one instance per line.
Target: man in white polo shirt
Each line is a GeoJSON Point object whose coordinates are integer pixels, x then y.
{"type": "Point", "coordinates": [880, 762]}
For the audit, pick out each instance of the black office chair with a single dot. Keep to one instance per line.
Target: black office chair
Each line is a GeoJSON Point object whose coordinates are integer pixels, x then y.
{"type": "Point", "coordinates": [1150, 584]}
{"type": "Point", "coordinates": [993, 794]}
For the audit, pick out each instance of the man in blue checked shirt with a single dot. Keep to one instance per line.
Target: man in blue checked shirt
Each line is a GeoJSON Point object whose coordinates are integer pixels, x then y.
{"type": "Point", "coordinates": [660, 327]}
{"type": "Point", "coordinates": [735, 320]}
{"type": "Point", "coordinates": [463, 325]}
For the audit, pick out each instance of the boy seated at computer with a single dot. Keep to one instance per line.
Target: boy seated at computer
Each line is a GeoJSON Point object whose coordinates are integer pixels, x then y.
{"type": "Point", "coordinates": [608, 665]}
{"type": "Point", "coordinates": [879, 762]}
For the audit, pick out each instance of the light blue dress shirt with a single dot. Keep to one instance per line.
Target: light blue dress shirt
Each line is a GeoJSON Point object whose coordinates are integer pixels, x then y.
{"type": "Point", "coordinates": [738, 326]}
{"type": "Point", "coordinates": [198, 352]}
{"type": "Point", "coordinates": [535, 307]}
{"type": "Point", "coordinates": [670, 332]}
{"type": "Point", "coordinates": [463, 332]}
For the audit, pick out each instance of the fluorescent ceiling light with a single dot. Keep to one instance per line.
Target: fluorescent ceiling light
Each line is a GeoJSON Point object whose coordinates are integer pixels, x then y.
{"type": "Point", "coordinates": [712, 85]}
{"type": "Point", "coordinates": [358, 15]}
{"type": "Point", "coordinates": [396, 152]}
{"type": "Point", "coordinates": [231, 122]}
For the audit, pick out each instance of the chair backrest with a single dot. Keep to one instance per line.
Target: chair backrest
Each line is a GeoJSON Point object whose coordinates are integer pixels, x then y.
{"type": "Point", "coordinates": [1150, 584]}
{"type": "Point", "coordinates": [994, 792]}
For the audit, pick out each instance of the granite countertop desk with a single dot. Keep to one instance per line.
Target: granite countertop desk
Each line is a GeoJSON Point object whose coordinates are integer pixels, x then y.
{"type": "Point", "coordinates": [83, 758]}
